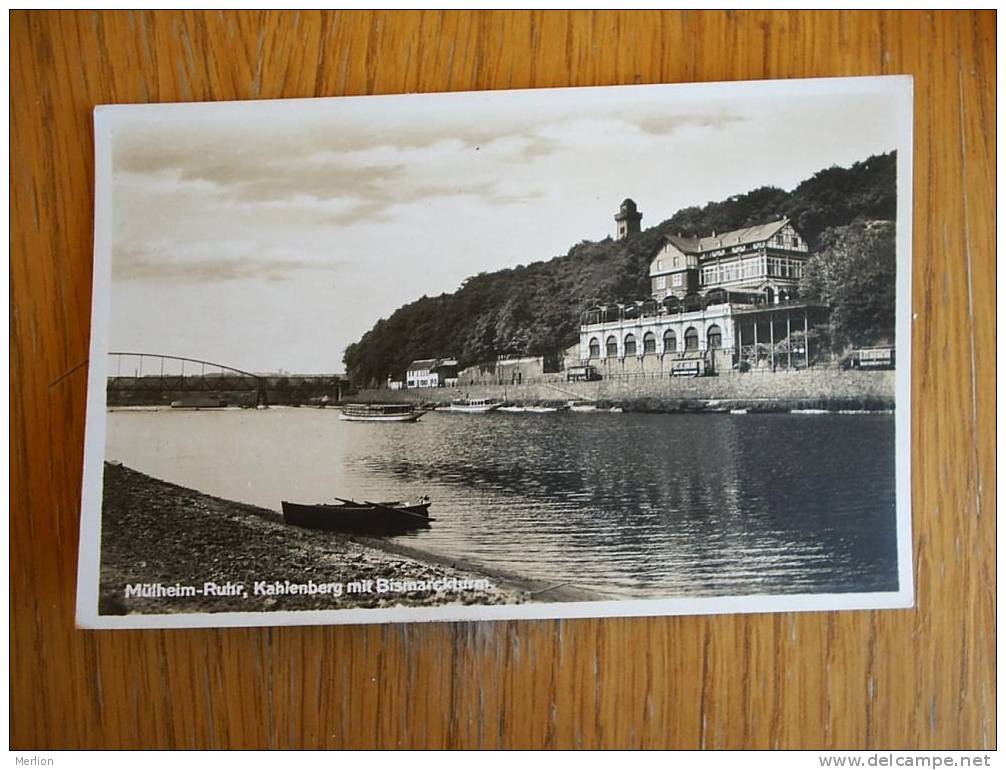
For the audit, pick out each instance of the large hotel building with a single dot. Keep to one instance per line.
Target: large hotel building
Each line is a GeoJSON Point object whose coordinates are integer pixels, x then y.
{"type": "Point", "coordinates": [717, 303]}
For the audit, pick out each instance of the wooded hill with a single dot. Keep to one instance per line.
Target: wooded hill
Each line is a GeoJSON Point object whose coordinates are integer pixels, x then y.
{"type": "Point", "coordinates": [534, 309]}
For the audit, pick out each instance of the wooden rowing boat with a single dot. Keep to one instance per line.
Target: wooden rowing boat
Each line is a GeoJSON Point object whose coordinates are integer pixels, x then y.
{"type": "Point", "coordinates": [361, 517]}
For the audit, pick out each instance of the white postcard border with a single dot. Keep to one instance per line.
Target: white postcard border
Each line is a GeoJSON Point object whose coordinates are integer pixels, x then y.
{"type": "Point", "coordinates": [900, 90]}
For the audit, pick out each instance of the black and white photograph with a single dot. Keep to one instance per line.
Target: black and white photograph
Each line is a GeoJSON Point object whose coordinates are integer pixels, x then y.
{"type": "Point", "coordinates": [580, 352]}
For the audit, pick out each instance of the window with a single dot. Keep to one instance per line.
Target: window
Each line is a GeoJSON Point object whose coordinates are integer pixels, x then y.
{"type": "Point", "coordinates": [715, 337]}
{"type": "Point", "coordinates": [660, 282]}
{"type": "Point", "coordinates": [612, 347]}
{"type": "Point", "coordinates": [660, 264]}
{"type": "Point", "coordinates": [751, 268]}
{"type": "Point", "coordinates": [677, 279]}
{"type": "Point", "coordinates": [670, 342]}
{"type": "Point", "coordinates": [630, 345]}
{"type": "Point", "coordinates": [595, 348]}
{"type": "Point", "coordinates": [691, 338]}
{"type": "Point", "coordinates": [649, 344]}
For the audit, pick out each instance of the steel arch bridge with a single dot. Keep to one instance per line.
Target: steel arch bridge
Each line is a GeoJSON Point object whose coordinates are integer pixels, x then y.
{"type": "Point", "coordinates": [145, 373]}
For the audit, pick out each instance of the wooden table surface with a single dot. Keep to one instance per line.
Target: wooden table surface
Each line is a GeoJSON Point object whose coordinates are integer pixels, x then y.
{"type": "Point", "coordinates": [890, 679]}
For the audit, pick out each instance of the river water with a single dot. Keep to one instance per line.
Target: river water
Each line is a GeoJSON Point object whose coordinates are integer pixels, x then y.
{"type": "Point", "coordinates": [628, 505]}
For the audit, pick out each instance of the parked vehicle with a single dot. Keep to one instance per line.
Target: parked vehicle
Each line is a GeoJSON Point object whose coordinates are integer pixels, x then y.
{"type": "Point", "coordinates": [582, 374]}
{"type": "Point", "coordinates": [870, 358]}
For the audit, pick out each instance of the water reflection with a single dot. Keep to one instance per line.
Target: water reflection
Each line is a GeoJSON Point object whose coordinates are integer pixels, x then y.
{"type": "Point", "coordinates": [641, 505]}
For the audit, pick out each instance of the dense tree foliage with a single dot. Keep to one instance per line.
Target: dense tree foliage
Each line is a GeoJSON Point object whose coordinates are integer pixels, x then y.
{"type": "Point", "coordinates": [534, 309]}
{"type": "Point", "coordinates": [854, 272]}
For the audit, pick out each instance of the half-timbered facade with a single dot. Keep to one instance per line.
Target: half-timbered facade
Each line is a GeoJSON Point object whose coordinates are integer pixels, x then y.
{"type": "Point", "coordinates": [767, 259]}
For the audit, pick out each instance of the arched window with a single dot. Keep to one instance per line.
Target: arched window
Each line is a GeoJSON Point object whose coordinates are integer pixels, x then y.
{"type": "Point", "coordinates": [595, 348]}
{"type": "Point", "coordinates": [691, 338]}
{"type": "Point", "coordinates": [714, 337]}
{"type": "Point", "coordinates": [649, 344]}
{"type": "Point", "coordinates": [670, 342]}
{"type": "Point", "coordinates": [769, 295]}
{"type": "Point", "coordinates": [630, 345]}
{"type": "Point", "coordinates": [612, 347]}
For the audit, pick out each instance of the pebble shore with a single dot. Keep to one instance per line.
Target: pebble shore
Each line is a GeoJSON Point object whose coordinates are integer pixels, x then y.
{"type": "Point", "coordinates": [159, 534]}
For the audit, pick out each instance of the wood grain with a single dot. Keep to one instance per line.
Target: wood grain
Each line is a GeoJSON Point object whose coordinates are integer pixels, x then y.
{"type": "Point", "coordinates": [893, 679]}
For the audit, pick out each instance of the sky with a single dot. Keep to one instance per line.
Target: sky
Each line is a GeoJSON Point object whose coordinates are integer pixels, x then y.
{"type": "Point", "coordinates": [270, 235]}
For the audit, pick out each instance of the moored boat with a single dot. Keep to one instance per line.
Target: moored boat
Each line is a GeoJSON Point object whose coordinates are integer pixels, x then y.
{"type": "Point", "coordinates": [581, 406]}
{"type": "Point", "coordinates": [475, 405]}
{"type": "Point", "coordinates": [381, 413]}
{"type": "Point", "coordinates": [360, 517]}
{"type": "Point", "coordinates": [199, 402]}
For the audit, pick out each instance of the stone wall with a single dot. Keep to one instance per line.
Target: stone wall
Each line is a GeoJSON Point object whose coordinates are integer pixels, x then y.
{"type": "Point", "coordinates": [812, 385]}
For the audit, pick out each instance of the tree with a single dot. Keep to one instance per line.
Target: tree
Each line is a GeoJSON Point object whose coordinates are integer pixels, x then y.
{"type": "Point", "coordinates": [534, 309]}
{"type": "Point", "coordinates": [854, 273]}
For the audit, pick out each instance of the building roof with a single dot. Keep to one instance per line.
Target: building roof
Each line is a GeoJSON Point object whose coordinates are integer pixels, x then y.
{"type": "Point", "coordinates": [422, 364]}
{"type": "Point", "coordinates": [430, 363]}
{"type": "Point", "coordinates": [741, 237]}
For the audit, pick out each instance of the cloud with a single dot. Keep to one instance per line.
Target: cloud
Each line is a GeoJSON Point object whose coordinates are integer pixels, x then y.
{"type": "Point", "coordinates": [325, 186]}
{"type": "Point", "coordinates": [210, 262]}
{"type": "Point", "coordinates": [185, 188]}
{"type": "Point", "coordinates": [662, 125]}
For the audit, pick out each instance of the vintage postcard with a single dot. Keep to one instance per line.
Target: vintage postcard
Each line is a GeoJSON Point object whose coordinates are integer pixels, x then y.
{"type": "Point", "coordinates": [524, 354]}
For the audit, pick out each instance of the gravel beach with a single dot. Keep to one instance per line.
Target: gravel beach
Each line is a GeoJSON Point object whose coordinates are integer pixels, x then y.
{"type": "Point", "coordinates": [168, 549]}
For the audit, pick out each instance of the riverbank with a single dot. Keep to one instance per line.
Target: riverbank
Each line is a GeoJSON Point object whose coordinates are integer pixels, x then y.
{"type": "Point", "coordinates": [164, 542]}
{"type": "Point", "coordinates": [826, 390]}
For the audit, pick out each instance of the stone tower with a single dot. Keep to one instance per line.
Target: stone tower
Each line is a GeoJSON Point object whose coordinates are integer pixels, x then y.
{"type": "Point", "coordinates": [627, 219]}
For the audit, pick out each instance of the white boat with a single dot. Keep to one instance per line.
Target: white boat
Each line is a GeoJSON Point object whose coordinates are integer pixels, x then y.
{"type": "Point", "coordinates": [581, 406]}
{"type": "Point", "coordinates": [541, 409]}
{"type": "Point", "coordinates": [513, 409]}
{"type": "Point", "coordinates": [380, 413]}
{"type": "Point", "coordinates": [475, 405]}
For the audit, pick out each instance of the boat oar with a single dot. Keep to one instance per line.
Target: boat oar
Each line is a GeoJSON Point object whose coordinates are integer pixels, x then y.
{"type": "Point", "coordinates": [344, 500]}
{"type": "Point", "coordinates": [397, 510]}
{"type": "Point", "coordinates": [383, 508]}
